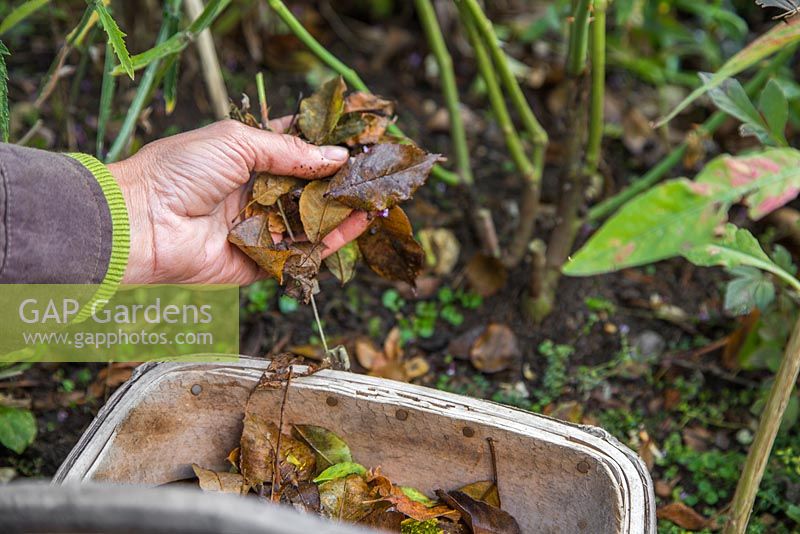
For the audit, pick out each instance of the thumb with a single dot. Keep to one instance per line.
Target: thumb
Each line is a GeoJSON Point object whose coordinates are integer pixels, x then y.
{"type": "Point", "coordinates": [281, 154]}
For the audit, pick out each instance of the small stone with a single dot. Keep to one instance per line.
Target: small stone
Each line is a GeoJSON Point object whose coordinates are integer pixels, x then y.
{"type": "Point", "coordinates": [648, 345]}
{"type": "Point", "coordinates": [610, 328]}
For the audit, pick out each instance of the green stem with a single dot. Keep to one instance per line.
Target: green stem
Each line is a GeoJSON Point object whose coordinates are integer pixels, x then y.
{"type": "Point", "coordinates": [654, 175]}
{"type": "Point", "coordinates": [349, 75]}
{"type": "Point", "coordinates": [433, 32]}
{"type": "Point", "coordinates": [262, 100]}
{"type": "Point", "coordinates": [757, 457]}
{"type": "Point", "coordinates": [106, 100]}
{"type": "Point", "coordinates": [534, 129]}
{"type": "Point", "coordinates": [578, 37]}
{"type": "Point", "coordinates": [143, 92]}
{"type": "Point", "coordinates": [595, 141]}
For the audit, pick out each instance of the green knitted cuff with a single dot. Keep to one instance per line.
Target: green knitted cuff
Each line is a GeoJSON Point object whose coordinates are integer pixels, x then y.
{"type": "Point", "coordinates": [120, 234]}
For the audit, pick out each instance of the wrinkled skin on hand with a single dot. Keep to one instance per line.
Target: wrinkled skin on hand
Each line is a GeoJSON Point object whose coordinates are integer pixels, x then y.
{"type": "Point", "coordinates": [184, 192]}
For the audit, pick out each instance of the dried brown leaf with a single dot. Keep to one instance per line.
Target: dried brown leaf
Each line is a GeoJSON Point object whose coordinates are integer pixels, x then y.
{"type": "Point", "coordinates": [368, 355]}
{"type": "Point", "coordinates": [495, 349]}
{"type": "Point", "coordinates": [483, 490]}
{"type": "Point", "coordinates": [320, 214]}
{"type": "Point", "coordinates": [221, 482]}
{"type": "Point", "coordinates": [301, 269]}
{"type": "Point", "coordinates": [359, 101]}
{"type": "Point", "coordinates": [253, 238]}
{"type": "Point", "coordinates": [382, 177]}
{"type": "Point", "coordinates": [268, 188]}
{"type": "Point", "coordinates": [389, 248]}
{"type": "Point", "coordinates": [441, 249]}
{"type": "Point", "coordinates": [345, 498]}
{"type": "Point", "coordinates": [257, 457]}
{"type": "Point", "coordinates": [482, 518]}
{"type": "Point", "coordinates": [683, 516]}
{"type": "Point", "coordinates": [304, 497]}
{"type": "Point", "coordinates": [320, 112]}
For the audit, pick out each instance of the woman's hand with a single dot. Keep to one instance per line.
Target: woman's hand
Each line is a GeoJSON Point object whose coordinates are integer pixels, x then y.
{"type": "Point", "coordinates": [183, 192]}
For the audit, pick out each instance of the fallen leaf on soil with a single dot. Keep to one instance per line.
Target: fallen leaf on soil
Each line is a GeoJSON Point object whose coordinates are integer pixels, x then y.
{"type": "Point", "coordinates": [495, 349]}
{"type": "Point", "coordinates": [683, 516]}
{"type": "Point", "coordinates": [486, 275]}
{"type": "Point", "coordinates": [389, 248]}
{"type": "Point", "coordinates": [344, 262]}
{"type": "Point", "coordinates": [220, 481]}
{"type": "Point", "coordinates": [330, 449]}
{"type": "Point", "coordinates": [481, 517]}
{"type": "Point", "coordinates": [369, 356]}
{"type": "Point", "coordinates": [460, 346]}
{"type": "Point", "coordinates": [268, 188]}
{"type": "Point", "coordinates": [571, 411]}
{"type": "Point", "coordinates": [320, 112]}
{"type": "Point", "coordinates": [441, 249]}
{"type": "Point", "coordinates": [111, 377]}
{"type": "Point", "coordinates": [382, 177]}
{"type": "Point", "coordinates": [390, 362]}
{"type": "Point", "coordinates": [320, 214]}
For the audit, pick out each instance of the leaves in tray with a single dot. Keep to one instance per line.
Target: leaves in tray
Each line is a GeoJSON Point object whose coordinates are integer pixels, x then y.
{"type": "Point", "coordinates": [253, 238]}
{"type": "Point", "coordinates": [320, 214]}
{"type": "Point", "coordinates": [389, 248]}
{"type": "Point", "coordinates": [359, 101]}
{"type": "Point", "coordinates": [221, 482]}
{"type": "Point", "coordinates": [384, 520]}
{"type": "Point", "coordinates": [341, 470]}
{"type": "Point", "coordinates": [416, 495]}
{"type": "Point", "coordinates": [345, 498]}
{"type": "Point", "coordinates": [330, 448]}
{"type": "Point", "coordinates": [320, 112]}
{"type": "Point", "coordinates": [302, 269]}
{"type": "Point", "coordinates": [418, 510]}
{"type": "Point", "coordinates": [268, 188]}
{"type": "Point", "coordinates": [304, 496]}
{"type": "Point", "coordinates": [258, 444]}
{"type": "Point", "coordinates": [382, 177]}
{"type": "Point", "coordinates": [343, 262]}
{"type": "Point", "coordinates": [482, 518]}
{"type": "Point", "coordinates": [483, 490]}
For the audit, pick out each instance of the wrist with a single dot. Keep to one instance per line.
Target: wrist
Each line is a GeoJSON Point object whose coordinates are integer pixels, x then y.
{"type": "Point", "coordinates": [141, 259]}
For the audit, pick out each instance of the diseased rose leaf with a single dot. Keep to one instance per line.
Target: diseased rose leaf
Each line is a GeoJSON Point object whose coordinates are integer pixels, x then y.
{"type": "Point", "coordinates": [329, 447]}
{"type": "Point", "coordinates": [345, 498]}
{"type": "Point", "coordinates": [382, 177]}
{"type": "Point", "coordinates": [421, 511]}
{"type": "Point", "coordinates": [495, 349]}
{"type": "Point", "coordinates": [480, 516]}
{"type": "Point", "coordinates": [304, 497]}
{"type": "Point", "coordinates": [343, 262]}
{"type": "Point", "coordinates": [302, 268]}
{"type": "Point", "coordinates": [389, 248]}
{"type": "Point", "coordinates": [252, 236]}
{"type": "Point", "coordinates": [258, 444]}
{"type": "Point", "coordinates": [320, 214]}
{"type": "Point", "coordinates": [220, 482]}
{"type": "Point", "coordinates": [359, 101]}
{"type": "Point", "coordinates": [483, 490]}
{"type": "Point", "coordinates": [268, 188]}
{"type": "Point", "coordinates": [320, 112]}
{"type": "Point", "coordinates": [350, 125]}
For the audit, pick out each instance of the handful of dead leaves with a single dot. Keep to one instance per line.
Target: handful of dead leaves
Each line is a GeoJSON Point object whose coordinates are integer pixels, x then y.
{"type": "Point", "coordinates": [381, 173]}
{"type": "Point", "coordinates": [315, 472]}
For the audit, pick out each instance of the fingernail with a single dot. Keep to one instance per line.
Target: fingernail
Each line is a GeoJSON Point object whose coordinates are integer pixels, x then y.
{"type": "Point", "coordinates": [335, 153]}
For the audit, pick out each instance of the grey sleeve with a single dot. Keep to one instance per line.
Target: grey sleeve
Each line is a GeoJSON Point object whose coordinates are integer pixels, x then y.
{"type": "Point", "coordinates": [55, 223]}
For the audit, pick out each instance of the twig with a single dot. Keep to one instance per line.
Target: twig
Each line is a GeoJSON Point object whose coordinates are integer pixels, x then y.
{"type": "Point", "coordinates": [778, 399]}
{"type": "Point", "coordinates": [276, 469]}
{"type": "Point", "coordinates": [654, 175]}
{"type": "Point", "coordinates": [285, 220]}
{"type": "Point", "coordinates": [433, 32]}
{"type": "Point", "coordinates": [143, 92]}
{"type": "Point", "coordinates": [349, 75]}
{"type": "Point", "coordinates": [212, 72]}
{"type": "Point", "coordinates": [487, 234]}
{"type": "Point", "coordinates": [470, 9]}
{"type": "Point", "coordinates": [319, 324]}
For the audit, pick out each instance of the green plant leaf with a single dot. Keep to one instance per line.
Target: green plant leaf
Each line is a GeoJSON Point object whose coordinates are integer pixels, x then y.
{"type": "Point", "coordinates": [416, 495]}
{"type": "Point", "coordinates": [17, 428]}
{"type": "Point", "coordinates": [20, 13]}
{"type": "Point", "coordinates": [678, 215]}
{"type": "Point", "coordinates": [4, 114]}
{"type": "Point", "coordinates": [731, 98]}
{"type": "Point", "coordinates": [749, 289]}
{"type": "Point", "coordinates": [180, 40]}
{"type": "Point", "coordinates": [115, 36]}
{"type": "Point", "coordinates": [341, 470]}
{"type": "Point", "coordinates": [775, 108]}
{"type": "Point", "coordinates": [778, 38]}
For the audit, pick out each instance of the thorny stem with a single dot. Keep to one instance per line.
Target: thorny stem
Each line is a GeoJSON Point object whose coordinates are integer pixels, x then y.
{"type": "Point", "coordinates": [349, 75]}
{"type": "Point", "coordinates": [169, 25]}
{"type": "Point", "coordinates": [513, 141]}
{"type": "Point", "coordinates": [778, 399]}
{"type": "Point", "coordinates": [470, 9]}
{"type": "Point", "coordinates": [433, 32]}
{"type": "Point", "coordinates": [654, 175]}
{"type": "Point", "coordinates": [578, 37]}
